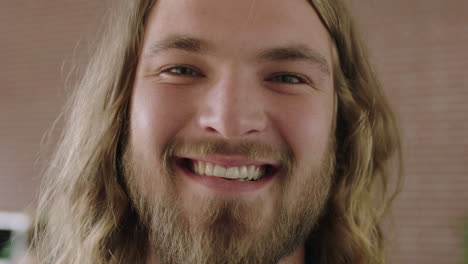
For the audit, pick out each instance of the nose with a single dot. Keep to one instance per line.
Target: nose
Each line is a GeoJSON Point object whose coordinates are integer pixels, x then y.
{"type": "Point", "coordinates": [233, 109]}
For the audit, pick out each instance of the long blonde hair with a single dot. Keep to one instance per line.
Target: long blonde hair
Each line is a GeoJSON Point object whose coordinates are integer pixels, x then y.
{"type": "Point", "coordinates": [84, 213]}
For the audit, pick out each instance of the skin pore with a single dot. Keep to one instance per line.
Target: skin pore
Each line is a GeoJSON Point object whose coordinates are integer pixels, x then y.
{"type": "Point", "coordinates": [231, 83]}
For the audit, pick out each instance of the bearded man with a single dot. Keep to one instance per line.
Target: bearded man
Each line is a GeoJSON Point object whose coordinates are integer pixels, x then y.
{"type": "Point", "coordinates": [222, 131]}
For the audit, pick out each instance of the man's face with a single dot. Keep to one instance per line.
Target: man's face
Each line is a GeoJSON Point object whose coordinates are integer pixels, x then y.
{"type": "Point", "coordinates": [227, 91]}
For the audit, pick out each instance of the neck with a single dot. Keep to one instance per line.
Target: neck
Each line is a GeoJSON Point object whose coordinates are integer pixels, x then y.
{"type": "Point", "coordinates": [297, 257]}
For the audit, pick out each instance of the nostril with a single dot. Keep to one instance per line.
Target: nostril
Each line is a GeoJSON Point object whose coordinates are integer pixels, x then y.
{"type": "Point", "coordinates": [229, 121]}
{"type": "Point", "coordinates": [253, 131]}
{"type": "Point", "coordinates": [210, 129]}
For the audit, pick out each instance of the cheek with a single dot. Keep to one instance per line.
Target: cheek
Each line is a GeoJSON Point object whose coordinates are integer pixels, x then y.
{"type": "Point", "coordinates": [157, 114]}
{"type": "Point", "coordinates": [306, 126]}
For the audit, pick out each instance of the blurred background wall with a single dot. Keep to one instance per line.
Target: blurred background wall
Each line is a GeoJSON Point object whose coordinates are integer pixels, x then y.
{"type": "Point", "coordinates": [420, 50]}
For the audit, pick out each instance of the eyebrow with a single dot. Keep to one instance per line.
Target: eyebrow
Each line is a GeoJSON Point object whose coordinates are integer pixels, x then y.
{"type": "Point", "coordinates": [295, 52]}
{"type": "Point", "coordinates": [180, 42]}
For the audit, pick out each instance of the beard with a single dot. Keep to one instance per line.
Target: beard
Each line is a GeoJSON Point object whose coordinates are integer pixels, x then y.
{"type": "Point", "coordinates": [200, 229]}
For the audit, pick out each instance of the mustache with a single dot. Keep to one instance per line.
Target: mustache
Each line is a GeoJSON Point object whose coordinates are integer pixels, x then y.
{"type": "Point", "coordinates": [254, 150]}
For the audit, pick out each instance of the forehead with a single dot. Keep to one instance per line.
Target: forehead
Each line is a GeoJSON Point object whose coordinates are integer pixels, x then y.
{"type": "Point", "coordinates": [235, 26]}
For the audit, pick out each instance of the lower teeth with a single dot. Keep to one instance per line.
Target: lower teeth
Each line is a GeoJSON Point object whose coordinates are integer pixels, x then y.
{"type": "Point", "coordinates": [244, 180]}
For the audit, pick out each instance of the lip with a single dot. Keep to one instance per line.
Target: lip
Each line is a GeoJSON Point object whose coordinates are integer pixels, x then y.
{"type": "Point", "coordinates": [227, 186]}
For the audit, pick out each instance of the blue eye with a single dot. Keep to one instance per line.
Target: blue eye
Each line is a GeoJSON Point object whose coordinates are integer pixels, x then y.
{"type": "Point", "coordinates": [288, 79]}
{"type": "Point", "coordinates": [182, 70]}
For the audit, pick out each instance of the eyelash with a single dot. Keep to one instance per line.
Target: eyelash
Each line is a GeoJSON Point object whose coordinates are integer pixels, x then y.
{"type": "Point", "coordinates": [288, 76]}
{"type": "Point", "coordinates": [194, 72]}
{"type": "Point", "coordinates": [293, 78]}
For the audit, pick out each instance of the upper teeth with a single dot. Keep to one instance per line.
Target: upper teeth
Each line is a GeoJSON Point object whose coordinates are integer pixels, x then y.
{"type": "Point", "coordinates": [250, 172]}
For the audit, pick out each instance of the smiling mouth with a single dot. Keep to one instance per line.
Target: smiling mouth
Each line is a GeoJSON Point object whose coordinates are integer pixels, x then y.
{"type": "Point", "coordinates": [246, 173]}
